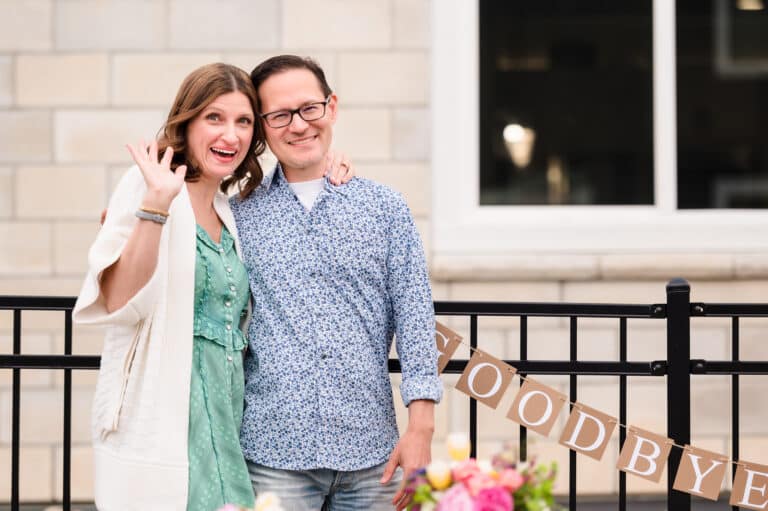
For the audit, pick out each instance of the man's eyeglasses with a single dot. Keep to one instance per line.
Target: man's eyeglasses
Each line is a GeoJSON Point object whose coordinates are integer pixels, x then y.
{"type": "Point", "coordinates": [308, 112]}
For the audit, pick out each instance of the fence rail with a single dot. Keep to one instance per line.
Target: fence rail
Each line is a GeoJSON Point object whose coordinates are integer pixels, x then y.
{"type": "Point", "coordinates": [677, 368]}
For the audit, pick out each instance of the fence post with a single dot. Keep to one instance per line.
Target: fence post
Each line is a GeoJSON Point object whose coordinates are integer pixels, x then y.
{"type": "Point", "coordinates": [678, 382]}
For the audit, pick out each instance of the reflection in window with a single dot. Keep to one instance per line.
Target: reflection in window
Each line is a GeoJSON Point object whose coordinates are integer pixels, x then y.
{"type": "Point", "coordinates": [722, 103]}
{"type": "Point", "coordinates": [566, 102]}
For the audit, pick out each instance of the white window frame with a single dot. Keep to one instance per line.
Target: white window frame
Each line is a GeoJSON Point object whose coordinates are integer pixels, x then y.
{"type": "Point", "coordinates": [461, 227]}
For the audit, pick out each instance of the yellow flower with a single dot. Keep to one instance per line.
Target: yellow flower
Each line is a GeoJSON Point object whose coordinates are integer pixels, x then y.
{"type": "Point", "coordinates": [458, 446]}
{"type": "Point", "coordinates": [439, 475]}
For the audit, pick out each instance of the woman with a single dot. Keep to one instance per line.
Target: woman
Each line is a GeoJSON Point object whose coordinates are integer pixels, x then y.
{"type": "Point", "coordinates": [165, 278]}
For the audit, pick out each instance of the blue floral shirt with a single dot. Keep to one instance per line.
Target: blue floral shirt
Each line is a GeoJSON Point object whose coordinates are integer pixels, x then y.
{"type": "Point", "coordinates": [330, 288]}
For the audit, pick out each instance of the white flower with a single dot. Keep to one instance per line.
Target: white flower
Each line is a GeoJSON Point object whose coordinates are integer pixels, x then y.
{"type": "Point", "coordinates": [485, 466]}
{"type": "Point", "coordinates": [268, 502]}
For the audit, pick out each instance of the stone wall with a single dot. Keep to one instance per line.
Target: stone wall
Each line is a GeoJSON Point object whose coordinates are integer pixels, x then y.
{"type": "Point", "coordinates": [80, 78]}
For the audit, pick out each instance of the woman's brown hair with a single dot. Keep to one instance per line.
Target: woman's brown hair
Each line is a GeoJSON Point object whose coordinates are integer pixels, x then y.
{"type": "Point", "coordinates": [197, 91]}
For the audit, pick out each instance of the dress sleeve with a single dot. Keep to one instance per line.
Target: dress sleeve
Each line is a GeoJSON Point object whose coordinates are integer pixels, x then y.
{"type": "Point", "coordinates": [90, 307]}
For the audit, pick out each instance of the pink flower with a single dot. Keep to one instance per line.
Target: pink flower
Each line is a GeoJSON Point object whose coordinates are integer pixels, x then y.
{"type": "Point", "coordinates": [493, 499]}
{"type": "Point", "coordinates": [465, 469]}
{"type": "Point", "coordinates": [511, 479]}
{"type": "Point", "coordinates": [456, 499]}
{"type": "Point", "coordinates": [475, 483]}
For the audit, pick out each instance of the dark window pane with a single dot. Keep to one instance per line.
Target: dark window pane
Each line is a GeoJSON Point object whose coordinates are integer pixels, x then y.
{"type": "Point", "coordinates": [569, 82]}
{"type": "Point", "coordinates": [722, 104]}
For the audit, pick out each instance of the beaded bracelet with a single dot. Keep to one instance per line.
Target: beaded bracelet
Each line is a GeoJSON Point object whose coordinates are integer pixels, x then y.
{"type": "Point", "coordinates": [152, 217]}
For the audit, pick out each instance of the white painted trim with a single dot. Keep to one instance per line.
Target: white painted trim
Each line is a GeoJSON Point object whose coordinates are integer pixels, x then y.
{"type": "Point", "coordinates": [664, 106]}
{"type": "Point", "coordinates": [461, 227]}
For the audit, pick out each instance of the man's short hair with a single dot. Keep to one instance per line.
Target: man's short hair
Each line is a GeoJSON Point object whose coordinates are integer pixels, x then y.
{"type": "Point", "coordinates": [281, 63]}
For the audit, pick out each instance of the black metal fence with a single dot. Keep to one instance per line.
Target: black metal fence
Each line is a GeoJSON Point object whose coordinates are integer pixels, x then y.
{"type": "Point", "coordinates": [677, 368]}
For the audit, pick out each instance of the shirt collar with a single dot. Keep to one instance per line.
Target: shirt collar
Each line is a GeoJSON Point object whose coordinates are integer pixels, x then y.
{"type": "Point", "coordinates": [277, 179]}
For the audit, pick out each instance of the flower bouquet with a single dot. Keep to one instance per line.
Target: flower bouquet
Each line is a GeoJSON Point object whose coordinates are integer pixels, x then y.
{"type": "Point", "coordinates": [470, 485]}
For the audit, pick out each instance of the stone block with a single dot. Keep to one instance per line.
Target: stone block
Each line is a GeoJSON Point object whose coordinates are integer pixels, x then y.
{"type": "Point", "coordinates": [666, 266]}
{"type": "Point", "coordinates": [25, 248]}
{"type": "Point", "coordinates": [710, 406]}
{"type": "Point", "coordinates": [412, 24]}
{"type": "Point", "coordinates": [62, 80]}
{"type": "Point", "coordinates": [117, 25]}
{"type": "Point", "coordinates": [523, 267]}
{"type": "Point", "coordinates": [25, 136]}
{"type": "Point", "coordinates": [411, 180]}
{"type": "Point", "coordinates": [153, 80]}
{"type": "Point", "coordinates": [364, 133]}
{"type": "Point", "coordinates": [207, 24]}
{"type": "Point", "coordinates": [399, 78]}
{"type": "Point", "coordinates": [439, 291]}
{"type": "Point", "coordinates": [35, 472]}
{"type": "Point", "coordinates": [6, 81]}
{"type": "Point", "coordinates": [337, 24]}
{"type": "Point", "coordinates": [34, 344]}
{"type": "Point", "coordinates": [646, 344]}
{"type": "Point", "coordinates": [71, 242]}
{"type": "Point", "coordinates": [39, 286]}
{"type": "Point", "coordinates": [751, 341]}
{"type": "Point", "coordinates": [411, 134]}
{"type": "Point", "coordinates": [425, 232]}
{"type": "Point", "coordinates": [60, 192]}
{"type": "Point", "coordinates": [647, 403]}
{"type": "Point", "coordinates": [81, 480]}
{"type": "Point", "coordinates": [25, 25]}
{"type": "Point", "coordinates": [615, 291]}
{"type": "Point", "coordinates": [90, 136]}
{"type": "Point", "coordinates": [35, 323]}
{"type": "Point", "coordinates": [6, 192]}
{"type": "Point", "coordinates": [751, 266]}
{"type": "Point", "coordinates": [249, 60]}
{"type": "Point", "coordinates": [511, 291]}
{"type": "Point", "coordinates": [735, 291]}
{"type": "Point", "coordinates": [754, 415]}
{"type": "Point", "coordinates": [41, 416]}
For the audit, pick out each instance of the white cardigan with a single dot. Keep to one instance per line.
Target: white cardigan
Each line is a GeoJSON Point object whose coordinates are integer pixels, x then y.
{"type": "Point", "coordinates": [141, 406]}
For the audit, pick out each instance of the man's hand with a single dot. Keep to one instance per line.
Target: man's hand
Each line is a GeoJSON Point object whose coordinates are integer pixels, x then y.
{"type": "Point", "coordinates": [414, 450]}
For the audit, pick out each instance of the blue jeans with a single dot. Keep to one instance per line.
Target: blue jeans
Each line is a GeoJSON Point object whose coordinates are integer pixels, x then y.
{"type": "Point", "coordinates": [326, 489]}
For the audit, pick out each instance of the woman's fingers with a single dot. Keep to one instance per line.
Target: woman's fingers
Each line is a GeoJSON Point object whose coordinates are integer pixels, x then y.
{"type": "Point", "coordinates": [153, 151]}
{"type": "Point", "coordinates": [181, 173]}
{"type": "Point", "coordinates": [167, 157]}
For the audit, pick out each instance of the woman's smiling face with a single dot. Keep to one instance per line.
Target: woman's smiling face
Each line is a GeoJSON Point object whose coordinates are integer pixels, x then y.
{"type": "Point", "coordinates": [219, 137]}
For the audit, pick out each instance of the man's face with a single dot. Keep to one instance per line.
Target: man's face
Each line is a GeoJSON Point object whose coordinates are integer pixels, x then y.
{"type": "Point", "coordinates": [300, 146]}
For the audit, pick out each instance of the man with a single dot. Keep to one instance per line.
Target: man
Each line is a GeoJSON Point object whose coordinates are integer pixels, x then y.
{"type": "Point", "coordinates": [334, 273]}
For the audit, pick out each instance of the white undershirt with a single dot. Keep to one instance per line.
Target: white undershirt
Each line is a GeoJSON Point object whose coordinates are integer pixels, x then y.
{"type": "Point", "coordinates": [307, 191]}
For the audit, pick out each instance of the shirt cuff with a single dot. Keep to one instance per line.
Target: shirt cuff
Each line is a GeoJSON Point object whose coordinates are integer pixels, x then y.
{"type": "Point", "coordinates": [422, 387]}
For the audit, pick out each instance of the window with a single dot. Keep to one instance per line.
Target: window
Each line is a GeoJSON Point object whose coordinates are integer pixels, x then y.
{"type": "Point", "coordinates": [603, 175]}
{"type": "Point", "coordinates": [722, 104]}
{"type": "Point", "coordinates": [566, 102]}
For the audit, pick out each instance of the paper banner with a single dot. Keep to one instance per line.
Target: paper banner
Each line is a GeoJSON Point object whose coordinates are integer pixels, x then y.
{"type": "Point", "coordinates": [486, 378]}
{"type": "Point", "coordinates": [700, 472]}
{"type": "Point", "coordinates": [447, 342]}
{"type": "Point", "coordinates": [537, 406]}
{"type": "Point", "coordinates": [644, 454]}
{"type": "Point", "coordinates": [749, 486]}
{"type": "Point", "coordinates": [588, 431]}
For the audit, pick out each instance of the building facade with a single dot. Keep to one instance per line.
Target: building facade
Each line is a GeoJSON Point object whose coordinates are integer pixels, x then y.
{"type": "Point", "coordinates": [422, 92]}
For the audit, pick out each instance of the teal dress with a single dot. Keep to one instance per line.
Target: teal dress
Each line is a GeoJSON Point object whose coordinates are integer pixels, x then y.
{"type": "Point", "coordinates": [217, 469]}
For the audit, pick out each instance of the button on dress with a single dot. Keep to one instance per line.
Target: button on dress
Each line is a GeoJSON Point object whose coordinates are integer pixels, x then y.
{"type": "Point", "coordinates": [217, 469]}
